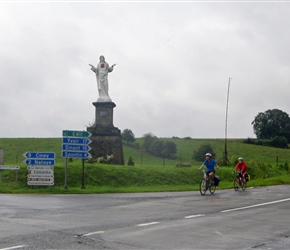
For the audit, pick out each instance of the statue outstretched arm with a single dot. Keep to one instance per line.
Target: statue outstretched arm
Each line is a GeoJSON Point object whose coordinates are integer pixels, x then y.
{"type": "Point", "coordinates": [112, 67]}
{"type": "Point", "coordinates": [93, 68]}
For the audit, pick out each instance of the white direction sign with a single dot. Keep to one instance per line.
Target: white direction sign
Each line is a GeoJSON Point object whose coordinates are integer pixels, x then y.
{"type": "Point", "coordinates": [41, 171]}
{"type": "Point", "coordinates": [51, 176]}
{"type": "Point", "coordinates": [40, 181]}
{"type": "Point", "coordinates": [40, 175]}
{"type": "Point", "coordinates": [9, 167]}
{"type": "Point", "coordinates": [40, 167]}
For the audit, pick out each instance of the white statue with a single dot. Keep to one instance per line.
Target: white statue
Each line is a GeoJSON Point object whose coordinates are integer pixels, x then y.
{"type": "Point", "coordinates": [102, 71]}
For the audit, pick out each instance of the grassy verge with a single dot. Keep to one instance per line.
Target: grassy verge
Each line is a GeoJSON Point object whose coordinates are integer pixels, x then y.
{"type": "Point", "coordinates": [100, 178]}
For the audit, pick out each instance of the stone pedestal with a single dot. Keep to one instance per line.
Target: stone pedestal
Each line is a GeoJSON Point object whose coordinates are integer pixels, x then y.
{"type": "Point", "coordinates": [106, 139]}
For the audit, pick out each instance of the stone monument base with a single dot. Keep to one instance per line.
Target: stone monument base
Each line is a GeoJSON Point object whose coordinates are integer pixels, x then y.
{"type": "Point", "coordinates": [106, 139]}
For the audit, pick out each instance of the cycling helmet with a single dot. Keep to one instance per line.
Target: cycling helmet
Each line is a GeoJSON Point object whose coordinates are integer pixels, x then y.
{"type": "Point", "coordinates": [241, 159]}
{"type": "Point", "coordinates": [208, 154]}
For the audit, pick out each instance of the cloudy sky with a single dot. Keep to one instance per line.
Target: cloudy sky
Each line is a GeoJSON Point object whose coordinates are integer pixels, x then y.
{"type": "Point", "coordinates": [174, 61]}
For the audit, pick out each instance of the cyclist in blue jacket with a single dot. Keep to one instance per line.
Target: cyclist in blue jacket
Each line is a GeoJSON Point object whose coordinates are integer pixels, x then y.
{"type": "Point", "coordinates": [210, 165]}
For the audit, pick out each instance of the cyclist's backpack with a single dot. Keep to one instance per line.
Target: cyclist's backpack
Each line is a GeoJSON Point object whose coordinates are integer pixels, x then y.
{"type": "Point", "coordinates": [216, 180]}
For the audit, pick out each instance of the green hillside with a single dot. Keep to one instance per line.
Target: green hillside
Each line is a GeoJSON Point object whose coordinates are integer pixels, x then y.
{"type": "Point", "coordinates": [14, 148]}
{"type": "Point", "coordinates": [235, 148]}
{"type": "Point", "coordinates": [150, 173]}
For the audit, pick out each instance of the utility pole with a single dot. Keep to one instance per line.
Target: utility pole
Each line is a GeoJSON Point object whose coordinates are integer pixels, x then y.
{"type": "Point", "coordinates": [226, 161]}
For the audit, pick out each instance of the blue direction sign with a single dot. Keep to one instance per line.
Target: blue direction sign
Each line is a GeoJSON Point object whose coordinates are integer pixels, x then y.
{"type": "Point", "coordinates": [75, 140]}
{"type": "Point", "coordinates": [75, 144]}
{"type": "Point", "coordinates": [39, 162]}
{"type": "Point", "coordinates": [75, 154]}
{"type": "Point", "coordinates": [73, 147]}
{"type": "Point", "coordinates": [39, 155]}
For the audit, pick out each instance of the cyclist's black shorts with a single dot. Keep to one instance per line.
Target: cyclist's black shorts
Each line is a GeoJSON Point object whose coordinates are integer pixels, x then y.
{"type": "Point", "coordinates": [208, 172]}
{"type": "Point", "coordinates": [240, 174]}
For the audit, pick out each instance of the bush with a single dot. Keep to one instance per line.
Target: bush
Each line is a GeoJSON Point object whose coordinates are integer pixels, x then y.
{"type": "Point", "coordinates": [249, 141]}
{"type": "Point", "coordinates": [279, 142]}
{"type": "Point", "coordinates": [130, 161]}
{"type": "Point", "coordinates": [200, 153]}
{"type": "Point", "coordinates": [159, 147]}
{"type": "Point", "coordinates": [259, 170]}
{"type": "Point", "coordinates": [181, 164]}
{"type": "Point", "coordinates": [276, 142]}
{"type": "Point", "coordinates": [284, 166]}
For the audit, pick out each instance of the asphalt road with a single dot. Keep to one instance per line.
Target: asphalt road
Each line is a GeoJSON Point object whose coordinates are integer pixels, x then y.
{"type": "Point", "coordinates": [257, 218]}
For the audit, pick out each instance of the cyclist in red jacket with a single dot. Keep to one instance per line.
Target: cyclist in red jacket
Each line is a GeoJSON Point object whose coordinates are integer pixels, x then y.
{"type": "Point", "coordinates": [241, 166]}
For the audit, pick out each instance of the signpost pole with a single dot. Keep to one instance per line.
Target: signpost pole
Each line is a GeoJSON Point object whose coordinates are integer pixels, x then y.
{"type": "Point", "coordinates": [3, 167]}
{"type": "Point", "coordinates": [65, 174]}
{"type": "Point", "coordinates": [83, 173]}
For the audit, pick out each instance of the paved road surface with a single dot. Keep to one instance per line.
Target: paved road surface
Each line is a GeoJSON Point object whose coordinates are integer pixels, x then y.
{"type": "Point", "coordinates": [257, 218]}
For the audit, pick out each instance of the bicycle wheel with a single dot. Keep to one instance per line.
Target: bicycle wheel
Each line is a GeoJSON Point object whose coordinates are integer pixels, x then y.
{"type": "Point", "coordinates": [212, 189]}
{"type": "Point", "coordinates": [202, 186]}
{"type": "Point", "coordinates": [243, 185]}
{"type": "Point", "coordinates": [236, 183]}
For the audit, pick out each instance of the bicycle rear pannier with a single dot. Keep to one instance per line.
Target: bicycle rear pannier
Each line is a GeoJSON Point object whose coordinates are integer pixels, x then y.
{"type": "Point", "coordinates": [216, 180]}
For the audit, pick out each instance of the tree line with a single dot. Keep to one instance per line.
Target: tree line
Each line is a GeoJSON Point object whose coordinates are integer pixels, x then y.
{"type": "Point", "coordinates": [152, 144]}
{"type": "Point", "coordinates": [272, 128]}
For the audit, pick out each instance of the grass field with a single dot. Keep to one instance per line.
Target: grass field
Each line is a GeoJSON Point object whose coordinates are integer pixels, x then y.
{"type": "Point", "coordinates": [267, 166]}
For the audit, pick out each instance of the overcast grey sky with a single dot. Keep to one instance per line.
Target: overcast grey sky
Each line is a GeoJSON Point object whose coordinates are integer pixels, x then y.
{"type": "Point", "coordinates": [174, 60]}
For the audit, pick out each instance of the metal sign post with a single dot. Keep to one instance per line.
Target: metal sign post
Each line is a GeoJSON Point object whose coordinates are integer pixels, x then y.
{"type": "Point", "coordinates": [65, 174]}
{"type": "Point", "coordinates": [83, 173]}
{"type": "Point", "coordinates": [3, 167]}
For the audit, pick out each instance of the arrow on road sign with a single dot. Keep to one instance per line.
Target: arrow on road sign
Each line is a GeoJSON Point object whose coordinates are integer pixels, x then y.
{"type": "Point", "coordinates": [9, 167]}
{"type": "Point", "coordinates": [38, 183]}
{"type": "Point", "coordinates": [72, 147]}
{"type": "Point", "coordinates": [40, 176]}
{"type": "Point", "coordinates": [42, 162]}
{"type": "Point", "coordinates": [75, 140]}
{"type": "Point", "coordinates": [41, 171]}
{"type": "Point", "coordinates": [39, 155]}
{"type": "Point", "coordinates": [75, 154]}
{"type": "Point", "coordinates": [40, 167]}
{"type": "Point", "coordinates": [72, 133]}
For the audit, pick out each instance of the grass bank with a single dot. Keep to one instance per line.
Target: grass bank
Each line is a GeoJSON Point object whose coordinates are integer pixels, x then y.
{"type": "Point", "coordinates": [99, 178]}
{"type": "Point", "coordinates": [267, 166]}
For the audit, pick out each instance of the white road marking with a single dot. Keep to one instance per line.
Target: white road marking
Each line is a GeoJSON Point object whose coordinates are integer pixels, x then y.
{"type": "Point", "coordinates": [147, 224]}
{"type": "Point", "coordinates": [194, 216]}
{"type": "Point", "coordinates": [257, 205]}
{"type": "Point", "coordinates": [10, 248]}
{"type": "Point", "coordinates": [92, 233]}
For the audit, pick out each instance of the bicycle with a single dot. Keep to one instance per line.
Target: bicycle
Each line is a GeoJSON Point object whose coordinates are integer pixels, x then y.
{"type": "Point", "coordinates": [239, 181]}
{"type": "Point", "coordinates": [205, 185]}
